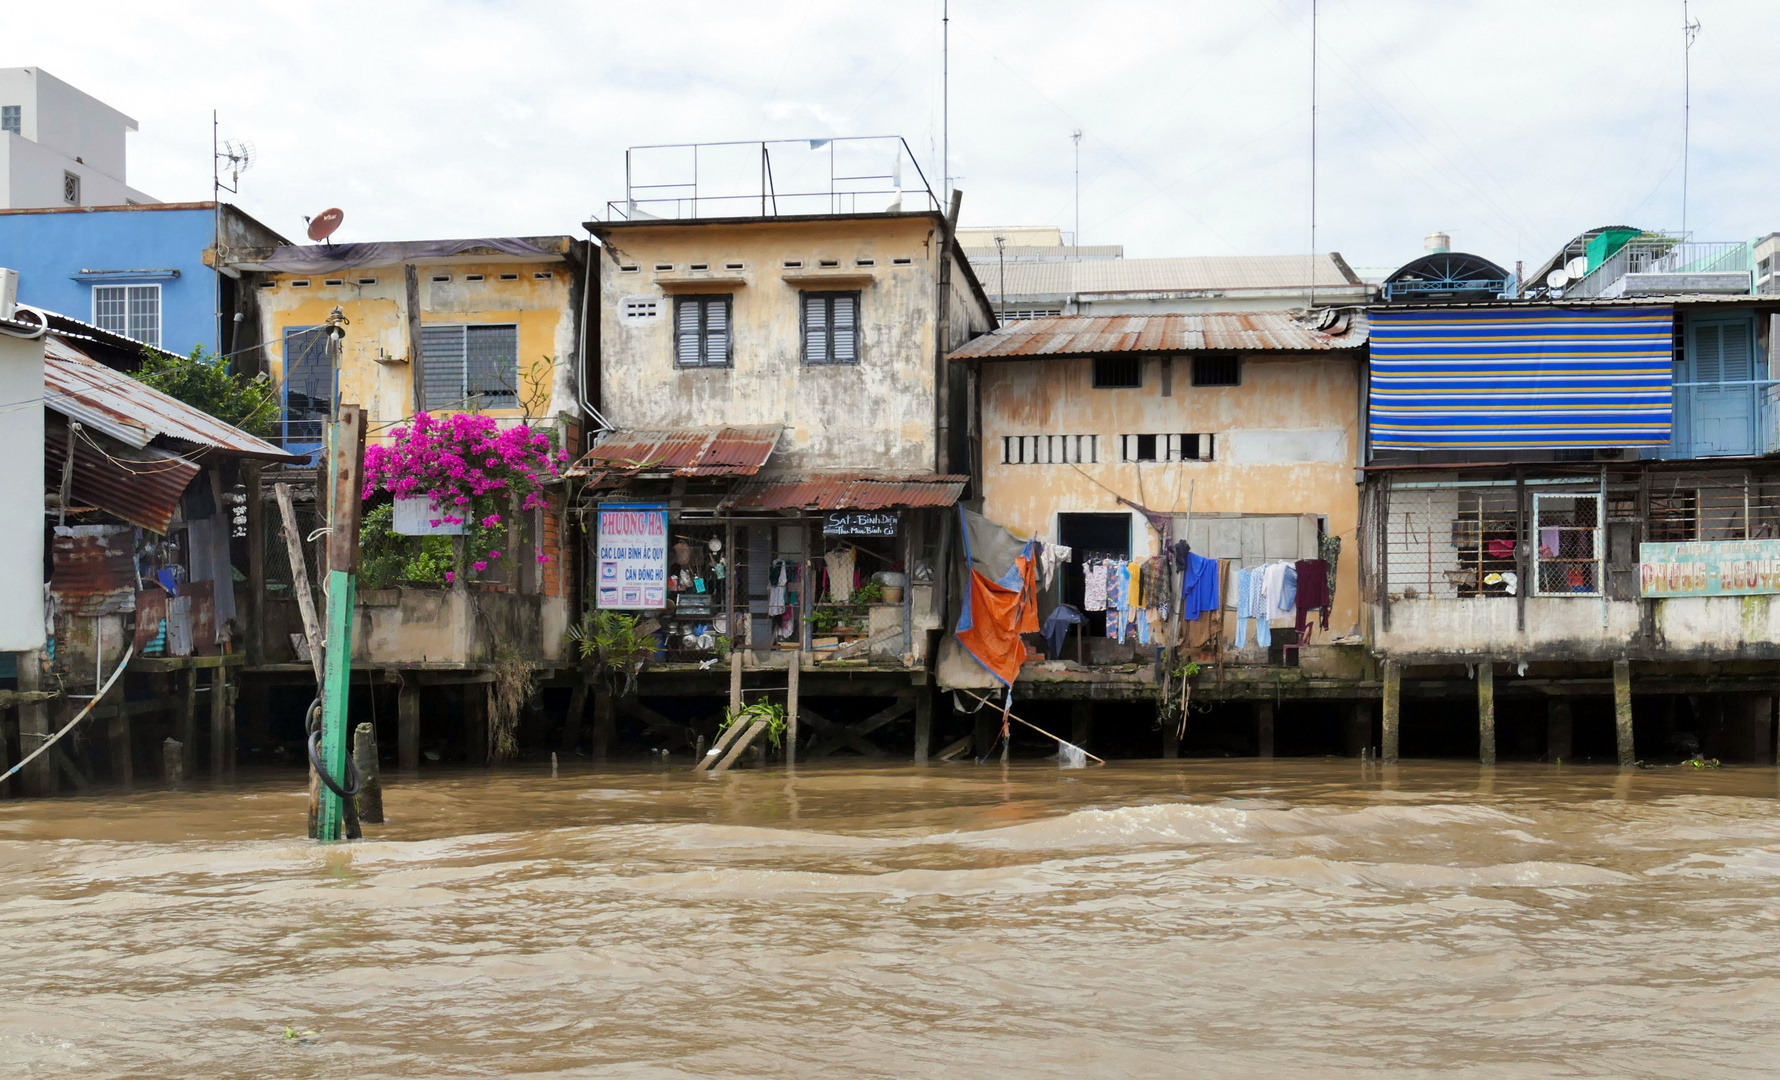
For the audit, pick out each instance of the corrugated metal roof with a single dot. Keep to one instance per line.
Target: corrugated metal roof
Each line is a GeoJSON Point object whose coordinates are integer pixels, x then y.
{"type": "Point", "coordinates": [725, 451]}
{"type": "Point", "coordinates": [1092, 335]}
{"type": "Point", "coordinates": [134, 413]}
{"type": "Point", "coordinates": [140, 486]}
{"type": "Point", "coordinates": [1211, 273]}
{"type": "Point", "coordinates": [848, 491]}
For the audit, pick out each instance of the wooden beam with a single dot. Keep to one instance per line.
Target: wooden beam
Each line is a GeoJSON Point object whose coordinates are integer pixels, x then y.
{"type": "Point", "coordinates": [256, 564]}
{"type": "Point", "coordinates": [752, 732]}
{"type": "Point", "coordinates": [416, 362]}
{"type": "Point", "coordinates": [724, 741]}
{"type": "Point", "coordinates": [299, 569]}
{"type": "Point", "coordinates": [346, 475]}
{"type": "Point", "coordinates": [955, 749]}
{"type": "Point", "coordinates": [835, 736]}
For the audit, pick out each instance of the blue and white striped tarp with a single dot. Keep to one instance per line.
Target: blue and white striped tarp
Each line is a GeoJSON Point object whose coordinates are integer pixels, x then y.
{"type": "Point", "coordinates": [1521, 378]}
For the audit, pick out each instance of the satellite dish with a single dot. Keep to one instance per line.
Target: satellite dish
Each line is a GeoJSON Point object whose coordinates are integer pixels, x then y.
{"type": "Point", "coordinates": [1577, 268]}
{"type": "Point", "coordinates": [322, 225]}
{"type": "Point", "coordinates": [1557, 279]}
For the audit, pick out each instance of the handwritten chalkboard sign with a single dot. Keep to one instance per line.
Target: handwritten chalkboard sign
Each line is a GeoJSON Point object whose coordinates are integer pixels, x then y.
{"type": "Point", "coordinates": [861, 523]}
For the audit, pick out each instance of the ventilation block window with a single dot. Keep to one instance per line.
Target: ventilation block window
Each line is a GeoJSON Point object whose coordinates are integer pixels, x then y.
{"type": "Point", "coordinates": [640, 308]}
{"type": "Point", "coordinates": [1050, 449]}
{"type": "Point", "coordinates": [334, 281]}
{"type": "Point", "coordinates": [12, 119]}
{"type": "Point", "coordinates": [473, 277]}
{"type": "Point", "coordinates": [367, 281]}
{"type": "Point", "coordinates": [733, 266]}
{"type": "Point", "coordinates": [509, 277]}
{"type": "Point", "coordinates": [440, 278]}
{"type": "Point", "coordinates": [131, 310]}
{"type": "Point", "coordinates": [631, 268]}
{"type": "Point", "coordinates": [831, 328]}
{"type": "Point", "coordinates": [470, 366]}
{"type": "Point", "coordinates": [1217, 371]}
{"type": "Point", "coordinates": [71, 189]}
{"type": "Point", "coordinates": [1118, 372]}
{"type": "Point", "coordinates": [701, 331]}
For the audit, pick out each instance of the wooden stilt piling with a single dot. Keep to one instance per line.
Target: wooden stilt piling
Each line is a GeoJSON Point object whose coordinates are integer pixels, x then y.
{"type": "Point", "coordinates": [370, 777]}
{"type": "Point", "coordinates": [1393, 701]}
{"type": "Point", "coordinates": [1558, 729]}
{"type": "Point", "coordinates": [1264, 729]}
{"type": "Point", "coordinates": [188, 720]}
{"type": "Point", "coordinates": [603, 722]}
{"type": "Point", "coordinates": [791, 680]}
{"type": "Point", "coordinates": [1486, 713]}
{"type": "Point", "coordinates": [408, 726]}
{"type": "Point", "coordinates": [1622, 712]}
{"type": "Point", "coordinates": [220, 748]}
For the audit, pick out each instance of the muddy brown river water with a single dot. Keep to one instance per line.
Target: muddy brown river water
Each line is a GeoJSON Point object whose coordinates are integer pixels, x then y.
{"type": "Point", "coordinates": [1161, 918]}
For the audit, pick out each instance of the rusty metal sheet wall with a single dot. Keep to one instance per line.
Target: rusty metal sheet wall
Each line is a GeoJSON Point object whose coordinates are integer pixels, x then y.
{"type": "Point", "coordinates": [728, 451]}
{"type": "Point", "coordinates": [94, 570]}
{"type": "Point", "coordinates": [1088, 335]}
{"type": "Point", "coordinates": [138, 486]}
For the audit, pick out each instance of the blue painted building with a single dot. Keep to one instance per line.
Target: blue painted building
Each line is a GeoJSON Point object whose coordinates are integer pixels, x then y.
{"type": "Point", "coordinates": [143, 271]}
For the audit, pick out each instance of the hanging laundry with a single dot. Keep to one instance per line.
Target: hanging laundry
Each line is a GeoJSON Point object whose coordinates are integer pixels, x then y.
{"type": "Point", "coordinates": [1056, 628]}
{"type": "Point", "coordinates": [840, 574]}
{"type": "Point", "coordinates": [1199, 586]}
{"type": "Point", "coordinates": [1134, 583]}
{"type": "Point", "coordinates": [1094, 585]}
{"type": "Point", "coordinates": [1279, 587]}
{"type": "Point", "coordinates": [1050, 556]}
{"type": "Point", "coordinates": [1245, 589]}
{"type": "Point", "coordinates": [1313, 593]}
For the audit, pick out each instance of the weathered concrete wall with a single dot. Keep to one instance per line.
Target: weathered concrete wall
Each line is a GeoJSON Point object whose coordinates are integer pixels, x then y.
{"type": "Point", "coordinates": [542, 308]}
{"type": "Point", "coordinates": [452, 626]}
{"type": "Point", "coordinates": [877, 414]}
{"type": "Point", "coordinates": [1571, 628]}
{"type": "Point", "coordinates": [1284, 443]}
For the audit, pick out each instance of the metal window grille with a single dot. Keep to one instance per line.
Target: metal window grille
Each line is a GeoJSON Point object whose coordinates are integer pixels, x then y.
{"type": "Point", "coordinates": [1217, 371]}
{"type": "Point", "coordinates": [1050, 449]}
{"type": "Point", "coordinates": [831, 328]}
{"type": "Point", "coordinates": [1446, 543]}
{"type": "Point", "coordinates": [131, 310]}
{"type": "Point", "coordinates": [701, 331]}
{"type": "Point", "coordinates": [1118, 372]}
{"type": "Point", "coordinates": [1018, 314]}
{"type": "Point", "coordinates": [308, 384]}
{"type": "Point", "coordinates": [471, 365]}
{"type": "Point", "coordinates": [1568, 549]}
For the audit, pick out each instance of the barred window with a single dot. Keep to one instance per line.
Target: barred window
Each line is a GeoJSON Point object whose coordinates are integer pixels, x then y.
{"type": "Point", "coordinates": [1118, 372]}
{"type": "Point", "coordinates": [131, 310]}
{"type": "Point", "coordinates": [701, 331]}
{"type": "Point", "coordinates": [1050, 449]}
{"type": "Point", "coordinates": [1217, 371]}
{"type": "Point", "coordinates": [470, 365]}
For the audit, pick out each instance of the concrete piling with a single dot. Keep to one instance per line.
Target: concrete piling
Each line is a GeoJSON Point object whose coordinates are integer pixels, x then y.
{"type": "Point", "coordinates": [1622, 712]}
{"type": "Point", "coordinates": [1393, 700]}
{"type": "Point", "coordinates": [370, 778]}
{"type": "Point", "coordinates": [1486, 713]}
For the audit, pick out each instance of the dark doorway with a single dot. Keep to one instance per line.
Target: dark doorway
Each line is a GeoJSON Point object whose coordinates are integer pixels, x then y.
{"type": "Point", "coordinates": [1089, 537]}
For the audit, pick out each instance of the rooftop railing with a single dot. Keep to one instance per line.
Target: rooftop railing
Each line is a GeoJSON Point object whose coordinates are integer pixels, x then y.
{"type": "Point", "coordinates": [1656, 253]}
{"type": "Point", "coordinates": [773, 178]}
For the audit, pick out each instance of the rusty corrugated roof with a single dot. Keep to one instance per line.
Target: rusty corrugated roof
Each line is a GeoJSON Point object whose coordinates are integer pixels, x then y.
{"type": "Point", "coordinates": [725, 451]}
{"type": "Point", "coordinates": [140, 486]}
{"type": "Point", "coordinates": [134, 413]}
{"type": "Point", "coordinates": [1249, 331]}
{"type": "Point", "coordinates": [848, 491]}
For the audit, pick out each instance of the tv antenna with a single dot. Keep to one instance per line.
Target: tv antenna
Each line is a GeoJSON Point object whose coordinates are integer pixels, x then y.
{"type": "Point", "coordinates": [233, 156]}
{"type": "Point", "coordinates": [1076, 137]}
{"type": "Point", "coordinates": [1690, 29]}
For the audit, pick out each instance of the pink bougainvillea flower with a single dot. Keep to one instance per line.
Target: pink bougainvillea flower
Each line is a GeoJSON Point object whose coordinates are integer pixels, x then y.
{"type": "Point", "coordinates": [491, 521]}
{"type": "Point", "coordinates": [494, 554]}
{"type": "Point", "coordinates": [450, 577]}
{"type": "Point", "coordinates": [478, 566]}
{"type": "Point", "coordinates": [542, 558]}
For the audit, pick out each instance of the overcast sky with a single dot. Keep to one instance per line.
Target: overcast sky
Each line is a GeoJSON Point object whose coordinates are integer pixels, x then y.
{"type": "Point", "coordinates": [1511, 125]}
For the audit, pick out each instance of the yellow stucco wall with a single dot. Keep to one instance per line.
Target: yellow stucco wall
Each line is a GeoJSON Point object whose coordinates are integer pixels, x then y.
{"type": "Point", "coordinates": [1286, 441]}
{"type": "Point", "coordinates": [877, 414]}
{"type": "Point", "coordinates": [541, 307]}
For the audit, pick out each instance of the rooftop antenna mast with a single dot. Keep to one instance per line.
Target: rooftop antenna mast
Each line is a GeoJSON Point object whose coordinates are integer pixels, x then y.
{"type": "Point", "coordinates": [945, 101]}
{"type": "Point", "coordinates": [1312, 302]}
{"type": "Point", "coordinates": [1076, 137]}
{"type": "Point", "coordinates": [1690, 29]}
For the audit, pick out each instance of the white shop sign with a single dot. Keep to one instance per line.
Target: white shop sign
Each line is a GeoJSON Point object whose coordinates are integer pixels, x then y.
{"type": "Point", "coordinates": [633, 558]}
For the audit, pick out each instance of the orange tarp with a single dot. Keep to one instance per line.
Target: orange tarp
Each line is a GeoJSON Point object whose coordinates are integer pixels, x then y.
{"type": "Point", "coordinates": [998, 616]}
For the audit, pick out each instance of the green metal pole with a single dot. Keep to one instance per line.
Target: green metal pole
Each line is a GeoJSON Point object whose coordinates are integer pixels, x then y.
{"type": "Point", "coordinates": [342, 587]}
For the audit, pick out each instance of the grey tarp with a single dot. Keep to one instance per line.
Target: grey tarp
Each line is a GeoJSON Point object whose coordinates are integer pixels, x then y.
{"type": "Point", "coordinates": [993, 550]}
{"type": "Point", "coordinates": [326, 258]}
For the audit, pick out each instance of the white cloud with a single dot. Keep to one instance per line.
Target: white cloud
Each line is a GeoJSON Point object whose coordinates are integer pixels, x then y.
{"type": "Point", "coordinates": [1512, 125]}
